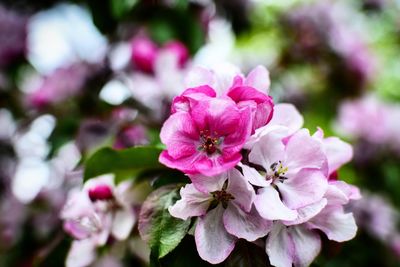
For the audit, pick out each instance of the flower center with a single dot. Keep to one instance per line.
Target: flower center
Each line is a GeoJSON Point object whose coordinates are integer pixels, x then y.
{"type": "Point", "coordinates": [209, 143]}
{"type": "Point", "coordinates": [222, 197]}
{"type": "Point", "coordinates": [278, 172]}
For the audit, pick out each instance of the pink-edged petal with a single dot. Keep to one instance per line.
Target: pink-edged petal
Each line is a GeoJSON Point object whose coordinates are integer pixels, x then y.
{"type": "Point", "coordinates": [82, 253]}
{"type": "Point", "coordinates": [213, 242]}
{"type": "Point", "coordinates": [208, 184]}
{"type": "Point", "coordinates": [123, 223]}
{"type": "Point", "coordinates": [237, 138]}
{"type": "Point", "coordinates": [259, 79]}
{"type": "Point", "coordinates": [268, 150]}
{"type": "Point", "coordinates": [185, 164]}
{"type": "Point", "coordinates": [247, 225]}
{"type": "Point", "coordinates": [179, 134]}
{"type": "Point", "coordinates": [306, 187]}
{"type": "Point", "coordinates": [337, 152]}
{"type": "Point", "coordinates": [288, 246]}
{"type": "Point", "coordinates": [307, 245]}
{"type": "Point", "coordinates": [266, 130]}
{"type": "Point", "coordinates": [198, 76]}
{"type": "Point", "coordinates": [352, 192]}
{"type": "Point", "coordinates": [241, 190]}
{"type": "Point", "coordinates": [308, 212]}
{"type": "Point", "coordinates": [303, 151]}
{"type": "Point", "coordinates": [287, 115]}
{"type": "Point", "coordinates": [279, 246]}
{"type": "Point", "coordinates": [193, 203]}
{"type": "Point", "coordinates": [224, 74]}
{"type": "Point", "coordinates": [335, 223]}
{"type": "Point", "coordinates": [270, 206]}
{"type": "Point", "coordinates": [253, 176]}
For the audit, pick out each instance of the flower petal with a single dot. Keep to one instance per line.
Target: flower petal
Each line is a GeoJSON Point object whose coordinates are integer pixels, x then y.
{"type": "Point", "coordinates": [192, 203]}
{"type": "Point", "coordinates": [213, 242]}
{"type": "Point", "coordinates": [270, 206]}
{"type": "Point", "coordinates": [81, 254]}
{"type": "Point", "coordinates": [259, 79]}
{"type": "Point", "coordinates": [242, 191]}
{"type": "Point", "coordinates": [307, 212]}
{"type": "Point", "coordinates": [250, 226]}
{"type": "Point", "coordinates": [287, 115]}
{"type": "Point", "coordinates": [253, 176]}
{"type": "Point", "coordinates": [337, 152]}
{"type": "Point", "coordinates": [303, 151]}
{"type": "Point", "coordinates": [122, 224]}
{"type": "Point", "coordinates": [335, 223]}
{"type": "Point", "coordinates": [296, 245]}
{"type": "Point", "coordinates": [306, 187]}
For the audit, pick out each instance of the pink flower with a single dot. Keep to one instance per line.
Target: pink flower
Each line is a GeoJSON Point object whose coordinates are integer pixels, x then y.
{"type": "Point", "coordinates": [251, 91]}
{"type": "Point", "coordinates": [207, 138]}
{"type": "Point", "coordinates": [291, 175]}
{"type": "Point", "coordinates": [179, 49]}
{"type": "Point", "coordinates": [225, 211]}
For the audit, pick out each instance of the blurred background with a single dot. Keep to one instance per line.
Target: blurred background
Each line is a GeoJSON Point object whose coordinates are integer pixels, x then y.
{"type": "Point", "coordinates": [79, 75]}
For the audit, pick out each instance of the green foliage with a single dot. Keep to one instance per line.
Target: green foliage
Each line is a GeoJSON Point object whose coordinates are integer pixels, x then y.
{"type": "Point", "coordinates": [130, 162]}
{"type": "Point", "coordinates": [156, 225]}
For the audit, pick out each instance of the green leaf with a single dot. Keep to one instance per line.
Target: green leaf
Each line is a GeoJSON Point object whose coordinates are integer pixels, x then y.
{"type": "Point", "coordinates": [132, 160]}
{"type": "Point", "coordinates": [157, 227]}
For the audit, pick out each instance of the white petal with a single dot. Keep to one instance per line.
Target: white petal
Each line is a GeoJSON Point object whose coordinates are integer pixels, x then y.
{"type": "Point", "coordinates": [250, 226]}
{"type": "Point", "coordinates": [307, 212]}
{"type": "Point", "coordinates": [81, 254]}
{"type": "Point", "coordinates": [270, 206]}
{"type": "Point", "coordinates": [123, 224]}
{"type": "Point", "coordinates": [253, 176]}
{"type": "Point", "coordinates": [213, 242]}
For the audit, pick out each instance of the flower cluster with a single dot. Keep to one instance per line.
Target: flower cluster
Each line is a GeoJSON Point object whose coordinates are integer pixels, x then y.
{"type": "Point", "coordinates": [255, 172]}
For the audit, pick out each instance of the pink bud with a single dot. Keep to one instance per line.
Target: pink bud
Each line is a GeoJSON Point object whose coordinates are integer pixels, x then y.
{"type": "Point", "coordinates": [179, 49]}
{"type": "Point", "coordinates": [144, 53]}
{"type": "Point", "coordinates": [100, 192]}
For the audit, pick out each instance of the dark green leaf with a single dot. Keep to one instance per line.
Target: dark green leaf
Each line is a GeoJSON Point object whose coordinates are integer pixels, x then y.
{"type": "Point", "coordinates": [132, 160]}
{"type": "Point", "coordinates": [157, 227]}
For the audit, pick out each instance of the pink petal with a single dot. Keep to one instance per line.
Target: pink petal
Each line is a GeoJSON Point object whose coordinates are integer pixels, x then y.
{"type": "Point", "coordinates": [337, 152]}
{"type": "Point", "coordinates": [179, 134]}
{"type": "Point", "coordinates": [307, 245]}
{"type": "Point", "coordinates": [213, 242]}
{"type": "Point", "coordinates": [306, 187]}
{"type": "Point", "coordinates": [270, 206]}
{"type": "Point", "coordinates": [242, 191]}
{"type": "Point", "coordinates": [279, 246]}
{"type": "Point", "coordinates": [250, 226]}
{"type": "Point", "coordinates": [208, 184]}
{"type": "Point", "coordinates": [193, 203]}
{"type": "Point", "coordinates": [259, 78]}
{"type": "Point", "coordinates": [287, 115]}
{"type": "Point", "coordinates": [198, 76]}
{"type": "Point", "coordinates": [336, 224]}
{"type": "Point", "coordinates": [190, 97]}
{"type": "Point", "coordinates": [292, 246]}
{"type": "Point", "coordinates": [303, 151]}
{"type": "Point", "coordinates": [268, 150]}
{"type": "Point", "coordinates": [253, 176]}
{"type": "Point", "coordinates": [308, 212]}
